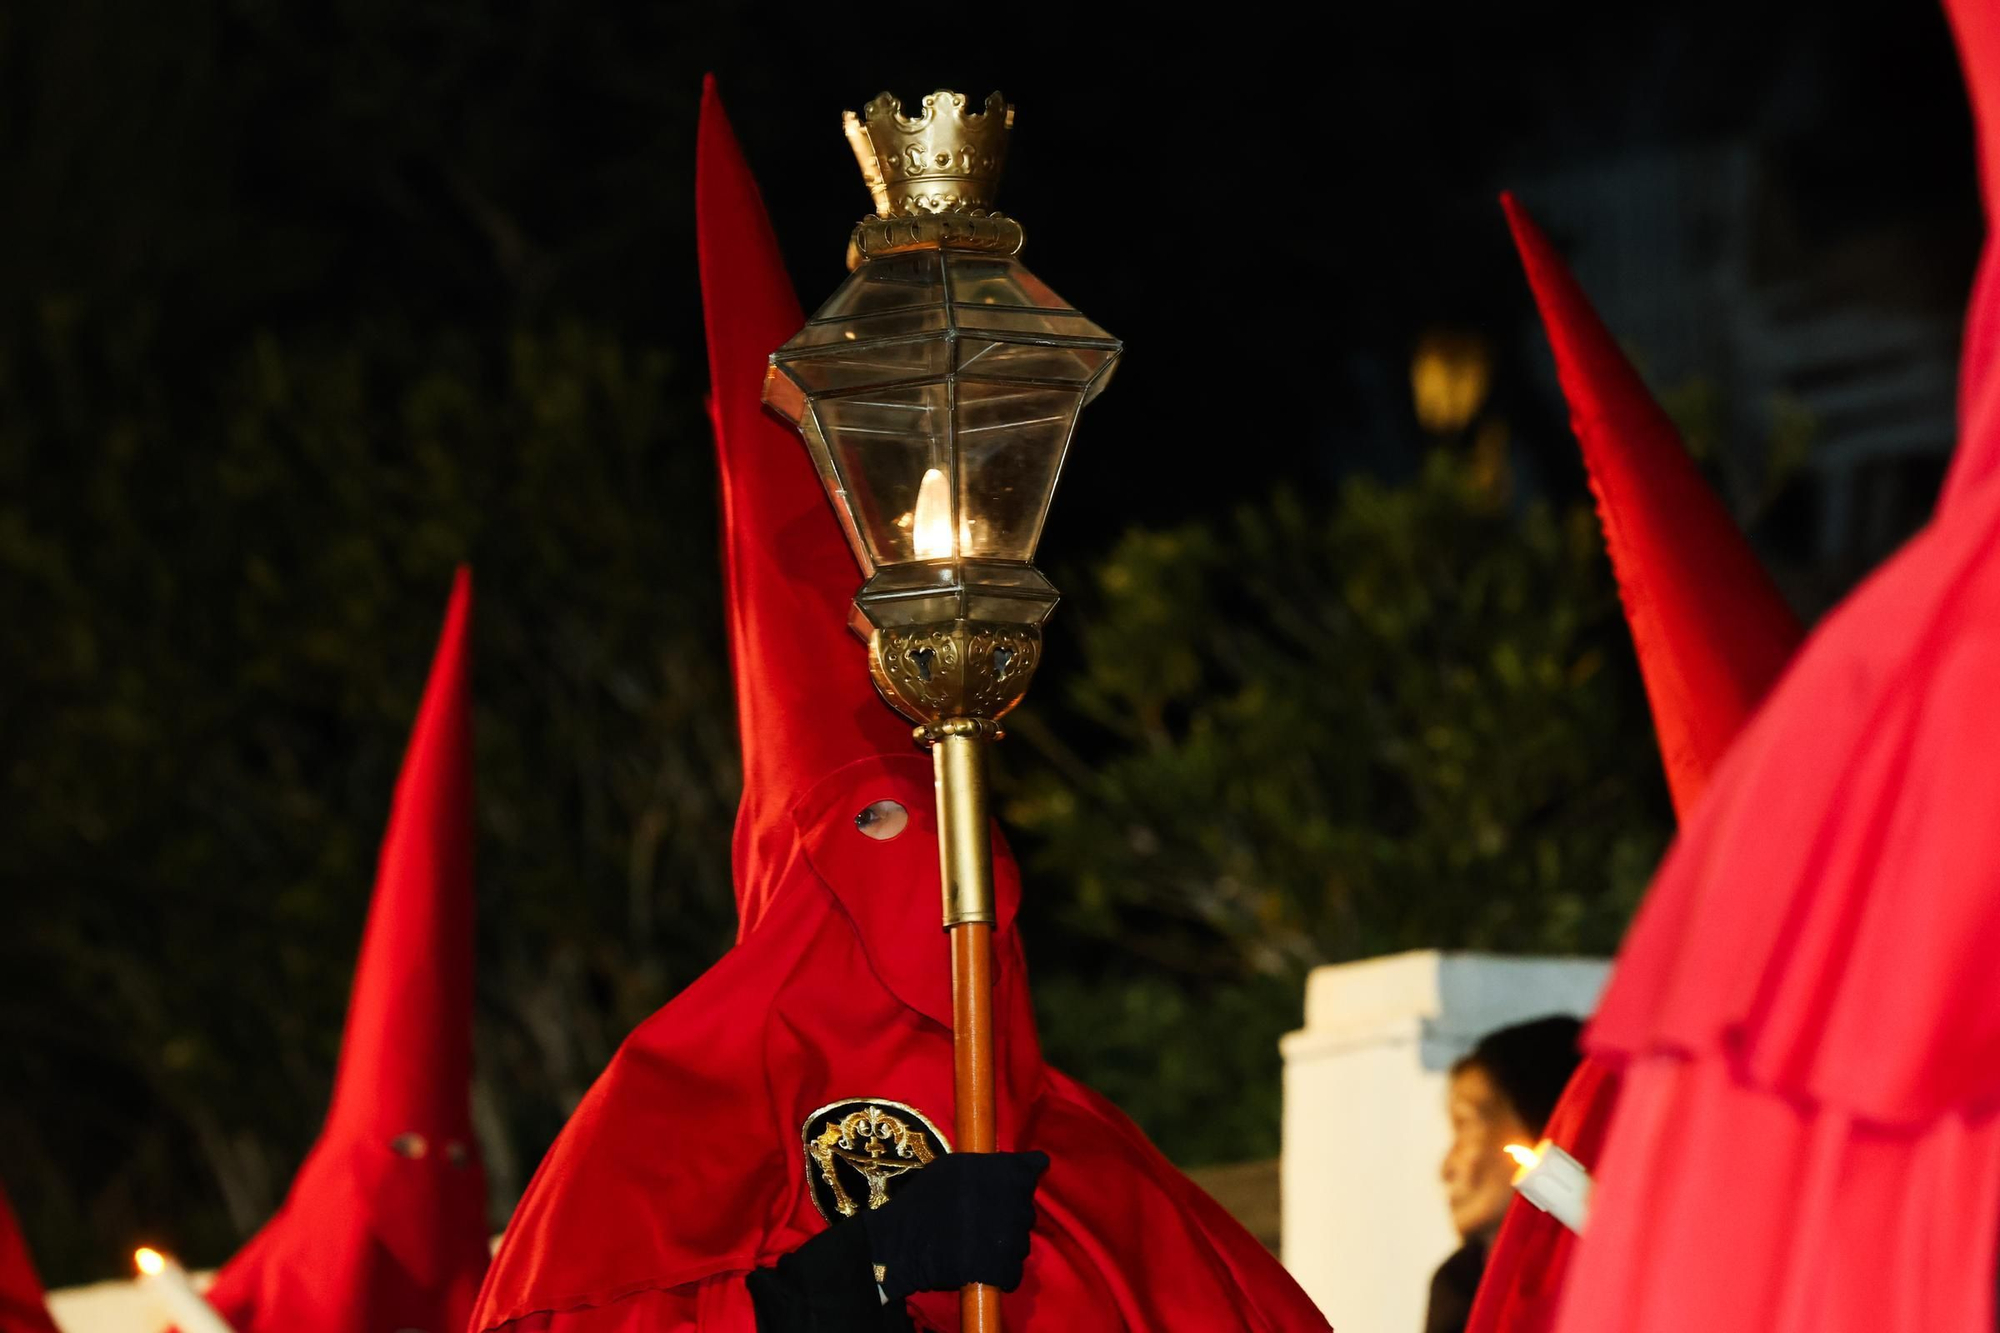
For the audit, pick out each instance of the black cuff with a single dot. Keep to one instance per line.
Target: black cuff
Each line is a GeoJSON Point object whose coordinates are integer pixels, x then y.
{"type": "Point", "coordinates": [827, 1285]}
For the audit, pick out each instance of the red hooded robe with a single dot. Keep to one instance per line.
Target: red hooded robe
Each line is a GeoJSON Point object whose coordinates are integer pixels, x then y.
{"type": "Point", "coordinates": [23, 1308]}
{"type": "Point", "coordinates": [1712, 634]}
{"type": "Point", "coordinates": [385, 1225]}
{"type": "Point", "coordinates": [1809, 1137]}
{"type": "Point", "coordinates": [683, 1168]}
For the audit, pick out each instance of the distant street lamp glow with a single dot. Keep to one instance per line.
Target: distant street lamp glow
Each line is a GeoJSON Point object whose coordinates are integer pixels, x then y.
{"type": "Point", "coordinates": [1449, 378]}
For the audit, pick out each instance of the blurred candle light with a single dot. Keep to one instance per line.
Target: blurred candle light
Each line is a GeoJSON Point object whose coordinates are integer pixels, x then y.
{"type": "Point", "coordinates": [168, 1285]}
{"type": "Point", "coordinates": [1554, 1182]}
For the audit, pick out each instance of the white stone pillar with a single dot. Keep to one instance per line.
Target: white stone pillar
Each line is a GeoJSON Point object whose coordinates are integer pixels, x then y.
{"type": "Point", "coordinates": [1364, 1127]}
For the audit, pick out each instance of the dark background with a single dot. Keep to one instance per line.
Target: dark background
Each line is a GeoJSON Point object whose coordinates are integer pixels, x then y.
{"type": "Point", "coordinates": [300, 305]}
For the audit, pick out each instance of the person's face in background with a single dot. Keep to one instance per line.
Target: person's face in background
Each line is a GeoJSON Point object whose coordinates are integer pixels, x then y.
{"type": "Point", "coordinates": [1478, 1174]}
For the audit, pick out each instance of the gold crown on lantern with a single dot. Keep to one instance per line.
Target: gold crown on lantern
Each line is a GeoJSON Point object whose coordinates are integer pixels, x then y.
{"type": "Point", "coordinates": [943, 161]}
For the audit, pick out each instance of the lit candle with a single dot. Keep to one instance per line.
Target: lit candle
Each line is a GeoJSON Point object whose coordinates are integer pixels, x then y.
{"type": "Point", "coordinates": [167, 1283]}
{"type": "Point", "coordinates": [932, 529]}
{"type": "Point", "coordinates": [1554, 1182]}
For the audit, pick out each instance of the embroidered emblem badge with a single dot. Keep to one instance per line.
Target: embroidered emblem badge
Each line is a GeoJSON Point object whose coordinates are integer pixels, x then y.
{"type": "Point", "coordinates": [857, 1147]}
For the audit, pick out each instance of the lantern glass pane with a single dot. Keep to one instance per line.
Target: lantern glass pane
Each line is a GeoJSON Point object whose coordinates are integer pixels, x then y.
{"type": "Point", "coordinates": [838, 334]}
{"type": "Point", "coordinates": [988, 280]}
{"type": "Point", "coordinates": [883, 442]}
{"type": "Point", "coordinates": [961, 367]}
{"type": "Point", "coordinates": [1011, 439]}
{"type": "Point", "coordinates": [846, 366]}
{"type": "Point", "coordinates": [893, 282]}
{"type": "Point", "coordinates": [1030, 361]}
{"type": "Point", "coordinates": [1007, 321]}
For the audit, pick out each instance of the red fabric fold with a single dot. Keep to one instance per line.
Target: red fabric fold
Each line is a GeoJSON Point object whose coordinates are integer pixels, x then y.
{"type": "Point", "coordinates": [684, 1166]}
{"type": "Point", "coordinates": [1821, 941]}
{"type": "Point", "coordinates": [1805, 1008]}
{"type": "Point", "coordinates": [1830, 918]}
{"type": "Point", "coordinates": [23, 1305]}
{"type": "Point", "coordinates": [1712, 634]}
{"type": "Point", "coordinates": [385, 1223]}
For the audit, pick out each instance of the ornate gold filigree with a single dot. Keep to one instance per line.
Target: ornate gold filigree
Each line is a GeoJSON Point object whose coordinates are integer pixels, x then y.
{"type": "Point", "coordinates": [943, 161]}
{"type": "Point", "coordinates": [879, 1147]}
{"type": "Point", "coordinates": [956, 668]}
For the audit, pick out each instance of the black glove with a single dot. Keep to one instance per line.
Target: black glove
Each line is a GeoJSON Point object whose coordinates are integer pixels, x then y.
{"type": "Point", "coordinates": [825, 1286]}
{"type": "Point", "coordinates": [963, 1218]}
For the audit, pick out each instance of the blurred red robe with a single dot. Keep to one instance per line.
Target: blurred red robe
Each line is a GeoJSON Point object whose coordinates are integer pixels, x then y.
{"type": "Point", "coordinates": [1712, 634]}
{"type": "Point", "coordinates": [1809, 1136]}
{"type": "Point", "coordinates": [23, 1305]}
{"type": "Point", "coordinates": [385, 1225]}
{"type": "Point", "coordinates": [683, 1168]}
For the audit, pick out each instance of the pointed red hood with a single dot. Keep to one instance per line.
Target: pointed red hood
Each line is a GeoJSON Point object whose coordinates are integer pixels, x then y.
{"type": "Point", "coordinates": [804, 704]}
{"type": "Point", "coordinates": [406, 1055]}
{"type": "Point", "coordinates": [1712, 634]}
{"type": "Point", "coordinates": [1711, 629]}
{"type": "Point", "coordinates": [23, 1307]}
{"type": "Point", "coordinates": [385, 1225]}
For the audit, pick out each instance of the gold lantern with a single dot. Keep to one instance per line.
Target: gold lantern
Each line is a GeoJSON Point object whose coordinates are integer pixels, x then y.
{"type": "Point", "coordinates": [937, 390]}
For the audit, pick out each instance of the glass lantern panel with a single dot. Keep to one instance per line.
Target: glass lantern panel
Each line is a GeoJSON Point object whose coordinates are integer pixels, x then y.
{"type": "Point", "coordinates": [884, 442]}
{"type": "Point", "coordinates": [983, 280]}
{"type": "Point", "coordinates": [844, 366]}
{"type": "Point", "coordinates": [830, 482]}
{"type": "Point", "coordinates": [1009, 320]}
{"type": "Point", "coordinates": [867, 328]}
{"type": "Point", "coordinates": [926, 610]}
{"type": "Point", "coordinates": [893, 282]}
{"type": "Point", "coordinates": [1030, 361]}
{"type": "Point", "coordinates": [1011, 439]}
{"type": "Point", "coordinates": [1015, 610]}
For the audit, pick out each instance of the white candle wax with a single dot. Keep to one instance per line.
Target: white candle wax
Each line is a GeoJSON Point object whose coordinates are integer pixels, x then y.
{"type": "Point", "coordinates": [1554, 1182]}
{"type": "Point", "coordinates": [167, 1283]}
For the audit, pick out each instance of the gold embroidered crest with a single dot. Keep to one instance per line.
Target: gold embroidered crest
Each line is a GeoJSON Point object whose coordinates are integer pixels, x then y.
{"type": "Point", "coordinates": [857, 1147]}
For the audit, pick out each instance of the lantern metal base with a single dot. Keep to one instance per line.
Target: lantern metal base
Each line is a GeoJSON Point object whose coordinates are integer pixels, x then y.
{"type": "Point", "coordinates": [954, 670]}
{"type": "Point", "coordinates": [972, 229]}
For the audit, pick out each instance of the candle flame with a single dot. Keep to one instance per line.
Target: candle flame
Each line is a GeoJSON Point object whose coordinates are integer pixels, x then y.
{"type": "Point", "coordinates": [932, 531]}
{"type": "Point", "coordinates": [1527, 1157]}
{"type": "Point", "coordinates": [150, 1261]}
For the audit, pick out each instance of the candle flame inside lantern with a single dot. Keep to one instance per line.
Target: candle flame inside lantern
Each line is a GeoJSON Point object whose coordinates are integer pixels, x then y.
{"type": "Point", "coordinates": [932, 529]}
{"type": "Point", "coordinates": [1527, 1157]}
{"type": "Point", "coordinates": [151, 1262]}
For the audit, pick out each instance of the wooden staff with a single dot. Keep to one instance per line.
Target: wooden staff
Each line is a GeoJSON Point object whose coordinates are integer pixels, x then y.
{"type": "Point", "coordinates": [966, 850]}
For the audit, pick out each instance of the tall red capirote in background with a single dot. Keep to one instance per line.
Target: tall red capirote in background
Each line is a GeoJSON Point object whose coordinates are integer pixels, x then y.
{"type": "Point", "coordinates": [1712, 634]}
{"type": "Point", "coordinates": [385, 1224]}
